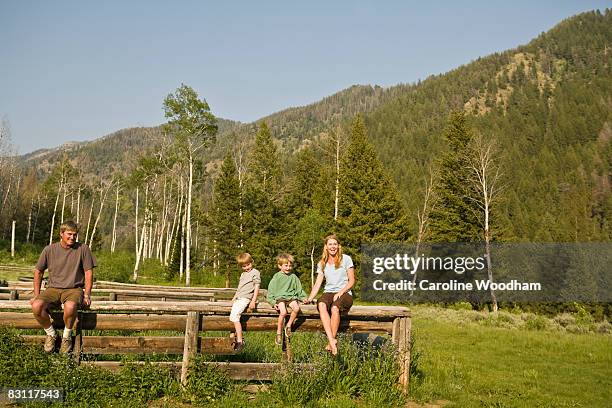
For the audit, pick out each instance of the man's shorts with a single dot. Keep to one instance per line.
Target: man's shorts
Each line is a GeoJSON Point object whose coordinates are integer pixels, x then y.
{"type": "Point", "coordinates": [237, 308]}
{"type": "Point", "coordinates": [344, 303]}
{"type": "Point", "coordinates": [56, 296]}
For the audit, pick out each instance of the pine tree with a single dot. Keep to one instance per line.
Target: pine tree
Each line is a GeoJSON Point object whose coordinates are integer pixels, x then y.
{"type": "Point", "coordinates": [370, 207]}
{"type": "Point", "coordinates": [265, 170]}
{"type": "Point", "coordinates": [455, 218]}
{"type": "Point", "coordinates": [226, 215]}
{"type": "Point", "coordinates": [261, 201]}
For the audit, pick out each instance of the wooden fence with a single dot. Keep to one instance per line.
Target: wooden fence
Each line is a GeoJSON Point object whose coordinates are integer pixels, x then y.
{"type": "Point", "coordinates": [191, 319]}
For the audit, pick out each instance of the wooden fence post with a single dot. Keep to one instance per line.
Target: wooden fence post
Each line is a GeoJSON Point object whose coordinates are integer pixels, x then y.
{"type": "Point", "coordinates": [286, 347]}
{"type": "Point", "coordinates": [14, 295]}
{"type": "Point", "coordinates": [191, 343]}
{"type": "Point", "coordinates": [78, 339]}
{"type": "Point", "coordinates": [403, 342]}
{"type": "Point", "coordinates": [395, 332]}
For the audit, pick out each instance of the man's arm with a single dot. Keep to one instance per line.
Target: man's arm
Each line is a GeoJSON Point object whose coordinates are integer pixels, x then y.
{"type": "Point", "coordinates": [38, 275]}
{"type": "Point", "coordinates": [88, 286]}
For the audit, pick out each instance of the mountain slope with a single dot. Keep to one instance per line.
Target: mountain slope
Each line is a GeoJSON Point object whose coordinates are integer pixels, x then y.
{"type": "Point", "coordinates": [548, 107]}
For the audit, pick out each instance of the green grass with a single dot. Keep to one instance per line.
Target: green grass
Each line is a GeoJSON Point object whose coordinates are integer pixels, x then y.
{"type": "Point", "coordinates": [360, 376]}
{"type": "Point", "coordinates": [476, 366]}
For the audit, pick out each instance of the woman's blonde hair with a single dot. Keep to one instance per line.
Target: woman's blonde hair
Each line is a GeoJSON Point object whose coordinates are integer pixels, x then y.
{"type": "Point", "coordinates": [325, 255]}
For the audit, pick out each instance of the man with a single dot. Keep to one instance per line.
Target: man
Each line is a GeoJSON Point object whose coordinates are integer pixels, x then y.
{"type": "Point", "coordinates": [70, 266]}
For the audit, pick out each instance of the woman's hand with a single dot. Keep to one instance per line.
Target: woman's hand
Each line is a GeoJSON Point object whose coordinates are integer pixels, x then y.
{"type": "Point", "coordinates": [338, 296]}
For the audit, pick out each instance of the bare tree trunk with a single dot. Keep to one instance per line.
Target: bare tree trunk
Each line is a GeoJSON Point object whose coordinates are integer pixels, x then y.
{"type": "Point", "coordinates": [93, 199]}
{"type": "Point", "coordinates": [63, 204]}
{"type": "Point", "coordinates": [214, 258]}
{"type": "Point", "coordinates": [188, 222]}
{"type": "Point", "coordinates": [139, 245]}
{"type": "Point", "coordinates": [102, 201]}
{"type": "Point", "coordinates": [178, 216]}
{"type": "Point", "coordinates": [182, 257]}
{"type": "Point", "coordinates": [160, 235]}
{"type": "Point", "coordinates": [136, 232]}
{"type": "Point", "coordinates": [55, 212]}
{"type": "Point", "coordinates": [78, 212]}
{"type": "Point", "coordinates": [140, 249]}
{"type": "Point", "coordinates": [17, 196]}
{"type": "Point", "coordinates": [485, 179]}
{"type": "Point", "coordinates": [145, 235]}
{"type": "Point", "coordinates": [8, 190]}
{"type": "Point", "coordinates": [239, 162]}
{"type": "Point", "coordinates": [13, 240]}
{"type": "Point", "coordinates": [195, 244]}
{"type": "Point", "coordinates": [429, 202]}
{"type": "Point", "coordinates": [36, 218]}
{"type": "Point", "coordinates": [30, 221]}
{"type": "Point", "coordinates": [490, 270]}
{"type": "Point", "coordinates": [145, 224]}
{"type": "Point", "coordinates": [114, 235]}
{"type": "Point", "coordinates": [151, 236]}
{"type": "Point", "coordinates": [312, 263]}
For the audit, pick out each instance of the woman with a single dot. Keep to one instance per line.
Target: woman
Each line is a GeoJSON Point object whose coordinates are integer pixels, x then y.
{"type": "Point", "coordinates": [339, 274]}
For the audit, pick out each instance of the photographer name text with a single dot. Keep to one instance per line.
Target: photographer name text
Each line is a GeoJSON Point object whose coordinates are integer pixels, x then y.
{"type": "Point", "coordinates": [455, 286]}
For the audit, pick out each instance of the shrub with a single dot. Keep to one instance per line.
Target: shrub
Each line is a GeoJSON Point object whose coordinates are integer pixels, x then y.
{"type": "Point", "coordinates": [536, 322]}
{"type": "Point", "coordinates": [460, 306]}
{"type": "Point", "coordinates": [83, 386]}
{"type": "Point", "coordinates": [358, 372]}
{"type": "Point", "coordinates": [206, 383]}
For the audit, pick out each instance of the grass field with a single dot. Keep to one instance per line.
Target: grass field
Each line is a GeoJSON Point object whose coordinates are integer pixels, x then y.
{"type": "Point", "coordinates": [474, 366]}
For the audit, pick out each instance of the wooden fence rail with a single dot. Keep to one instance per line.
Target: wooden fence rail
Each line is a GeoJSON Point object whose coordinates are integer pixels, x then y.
{"type": "Point", "coordinates": [193, 318]}
{"type": "Point", "coordinates": [103, 290]}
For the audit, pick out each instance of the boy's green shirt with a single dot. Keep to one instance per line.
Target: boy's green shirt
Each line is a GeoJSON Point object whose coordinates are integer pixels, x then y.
{"type": "Point", "coordinates": [285, 287]}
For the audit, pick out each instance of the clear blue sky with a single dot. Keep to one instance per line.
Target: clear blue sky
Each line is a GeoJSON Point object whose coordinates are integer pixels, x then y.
{"type": "Point", "coordinates": [80, 70]}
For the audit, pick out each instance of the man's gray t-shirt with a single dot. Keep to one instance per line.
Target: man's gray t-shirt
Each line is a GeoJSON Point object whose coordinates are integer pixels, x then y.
{"type": "Point", "coordinates": [246, 286]}
{"type": "Point", "coordinates": [66, 266]}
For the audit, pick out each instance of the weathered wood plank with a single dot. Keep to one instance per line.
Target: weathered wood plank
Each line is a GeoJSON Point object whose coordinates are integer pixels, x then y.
{"type": "Point", "coordinates": [145, 293]}
{"type": "Point", "coordinates": [91, 321]}
{"type": "Point", "coordinates": [385, 313]}
{"type": "Point", "coordinates": [144, 344]}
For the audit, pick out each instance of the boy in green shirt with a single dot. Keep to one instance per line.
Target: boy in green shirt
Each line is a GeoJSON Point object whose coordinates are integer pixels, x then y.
{"type": "Point", "coordinates": [285, 289]}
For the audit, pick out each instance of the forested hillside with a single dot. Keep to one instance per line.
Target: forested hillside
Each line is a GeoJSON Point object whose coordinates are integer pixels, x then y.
{"type": "Point", "coordinates": [357, 162]}
{"type": "Point", "coordinates": [547, 105]}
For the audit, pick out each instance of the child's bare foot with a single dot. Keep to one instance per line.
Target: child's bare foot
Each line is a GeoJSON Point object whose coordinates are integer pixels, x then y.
{"type": "Point", "coordinates": [279, 339]}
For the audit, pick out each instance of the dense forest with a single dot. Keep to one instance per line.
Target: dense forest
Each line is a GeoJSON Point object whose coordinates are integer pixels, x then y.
{"type": "Point", "coordinates": [404, 163]}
